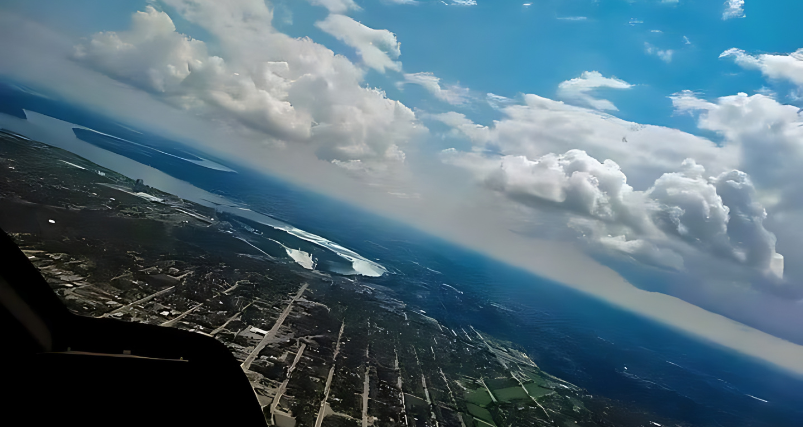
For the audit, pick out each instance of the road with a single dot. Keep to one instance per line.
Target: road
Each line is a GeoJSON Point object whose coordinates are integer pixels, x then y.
{"type": "Point", "coordinates": [172, 322]}
{"type": "Point", "coordinates": [139, 301]}
{"type": "Point", "coordinates": [366, 390]}
{"type": "Point", "coordinates": [322, 411]}
{"type": "Point", "coordinates": [246, 365]}
{"type": "Point", "coordinates": [283, 387]}
{"type": "Point", "coordinates": [231, 319]}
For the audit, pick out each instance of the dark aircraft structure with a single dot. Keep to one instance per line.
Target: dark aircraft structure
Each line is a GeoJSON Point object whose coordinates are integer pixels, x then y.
{"type": "Point", "coordinates": [63, 369]}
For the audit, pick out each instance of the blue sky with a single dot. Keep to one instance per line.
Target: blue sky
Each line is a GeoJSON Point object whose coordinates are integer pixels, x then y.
{"type": "Point", "coordinates": [590, 142]}
{"type": "Point", "coordinates": [506, 48]}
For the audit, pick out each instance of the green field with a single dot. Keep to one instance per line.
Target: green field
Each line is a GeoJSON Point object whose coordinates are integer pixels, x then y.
{"type": "Point", "coordinates": [510, 394]}
{"type": "Point", "coordinates": [478, 397]}
{"type": "Point", "coordinates": [500, 383]}
{"type": "Point", "coordinates": [480, 413]}
{"type": "Point", "coordinates": [536, 391]}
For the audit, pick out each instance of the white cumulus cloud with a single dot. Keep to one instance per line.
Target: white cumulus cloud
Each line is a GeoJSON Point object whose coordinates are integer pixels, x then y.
{"type": "Point", "coordinates": [378, 48]}
{"type": "Point", "coordinates": [289, 90]}
{"type": "Point", "coordinates": [681, 213]}
{"type": "Point", "coordinates": [768, 135]}
{"type": "Point", "coordinates": [452, 94]}
{"type": "Point", "coordinates": [579, 89]}
{"type": "Point", "coordinates": [733, 9]}
{"type": "Point", "coordinates": [152, 56]}
{"type": "Point", "coordinates": [788, 67]}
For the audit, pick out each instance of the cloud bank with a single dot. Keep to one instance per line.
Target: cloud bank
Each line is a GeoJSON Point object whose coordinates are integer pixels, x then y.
{"type": "Point", "coordinates": [670, 199]}
{"type": "Point", "coordinates": [681, 211]}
